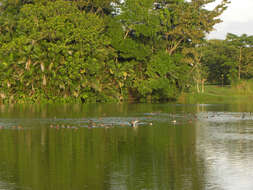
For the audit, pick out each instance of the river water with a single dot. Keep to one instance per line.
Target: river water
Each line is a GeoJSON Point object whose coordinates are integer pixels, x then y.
{"type": "Point", "coordinates": [94, 147]}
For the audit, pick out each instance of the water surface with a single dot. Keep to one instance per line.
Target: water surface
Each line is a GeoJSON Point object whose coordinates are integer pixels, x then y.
{"type": "Point", "coordinates": [175, 146]}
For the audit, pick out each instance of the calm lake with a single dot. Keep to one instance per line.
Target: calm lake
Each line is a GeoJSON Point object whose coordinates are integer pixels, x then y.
{"type": "Point", "coordinates": [94, 147]}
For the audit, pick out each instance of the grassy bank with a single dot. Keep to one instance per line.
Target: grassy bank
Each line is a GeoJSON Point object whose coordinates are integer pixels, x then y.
{"type": "Point", "coordinates": [242, 92]}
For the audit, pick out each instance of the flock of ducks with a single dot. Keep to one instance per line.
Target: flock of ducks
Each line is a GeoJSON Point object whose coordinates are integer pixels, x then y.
{"type": "Point", "coordinates": [92, 124]}
{"type": "Point", "coordinates": [13, 127]}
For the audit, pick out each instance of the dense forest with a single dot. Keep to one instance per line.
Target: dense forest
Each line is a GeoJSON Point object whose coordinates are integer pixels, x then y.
{"type": "Point", "coordinates": [112, 50]}
{"type": "Point", "coordinates": [228, 61]}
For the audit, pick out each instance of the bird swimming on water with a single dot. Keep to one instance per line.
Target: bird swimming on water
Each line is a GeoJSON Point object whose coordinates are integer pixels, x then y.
{"type": "Point", "coordinates": [91, 124]}
{"type": "Point", "coordinates": [134, 123]}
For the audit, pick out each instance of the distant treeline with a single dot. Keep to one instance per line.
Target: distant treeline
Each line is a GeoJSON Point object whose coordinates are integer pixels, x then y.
{"type": "Point", "coordinates": [112, 50]}
{"type": "Point", "coordinates": [228, 61]}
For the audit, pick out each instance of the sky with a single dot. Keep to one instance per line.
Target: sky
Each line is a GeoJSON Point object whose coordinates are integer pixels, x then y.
{"type": "Point", "coordinates": [237, 19]}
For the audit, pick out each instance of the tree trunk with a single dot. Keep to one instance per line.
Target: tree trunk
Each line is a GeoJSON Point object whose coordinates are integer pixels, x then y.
{"type": "Point", "coordinates": [203, 85]}
{"type": "Point", "coordinates": [240, 62]}
{"type": "Point", "coordinates": [197, 85]}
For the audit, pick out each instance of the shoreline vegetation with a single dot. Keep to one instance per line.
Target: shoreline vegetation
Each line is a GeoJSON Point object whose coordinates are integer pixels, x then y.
{"type": "Point", "coordinates": [112, 51]}
{"type": "Point", "coordinates": [242, 92]}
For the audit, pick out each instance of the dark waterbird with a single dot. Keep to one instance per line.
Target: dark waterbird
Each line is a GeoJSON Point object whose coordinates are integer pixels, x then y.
{"type": "Point", "coordinates": [91, 124]}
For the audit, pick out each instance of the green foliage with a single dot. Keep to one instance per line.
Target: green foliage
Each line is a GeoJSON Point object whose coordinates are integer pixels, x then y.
{"type": "Point", "coordinates": [97, 51]}
{"type": "Point", "coordinates": [60, 48]}
{"type": "Point", "coordinates": [238, 92]}
{"type": "Point", "coordinates": [166, 73]}
{"type": "Point", "coordinates": [218, 58]}
{"type": "Point", "coordinates": [229, 61]}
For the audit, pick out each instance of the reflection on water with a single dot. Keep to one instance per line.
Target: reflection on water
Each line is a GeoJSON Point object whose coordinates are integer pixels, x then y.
{"type": "Point", "coordinates": [207, 147]}
{"type": "Point", "coordinates": [226, 142]}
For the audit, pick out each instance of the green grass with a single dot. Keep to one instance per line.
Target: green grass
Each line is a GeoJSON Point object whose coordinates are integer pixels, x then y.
{"type": "Point", "coordinates": [242, 92]}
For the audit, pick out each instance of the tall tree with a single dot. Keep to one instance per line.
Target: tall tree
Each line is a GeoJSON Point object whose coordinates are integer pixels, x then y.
{"type": "Point", "coordinates": [244, 45]}
{"type": "Point", "coordinates": [102, 50]}
{"type": "Point", "coordinates": [218, 58]}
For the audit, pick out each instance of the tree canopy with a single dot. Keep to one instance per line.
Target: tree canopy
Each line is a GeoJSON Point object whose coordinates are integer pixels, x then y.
{"type": "Point", "coordinates": [229, 60]}
{"type": "Point", "coordinates": [103, 50]}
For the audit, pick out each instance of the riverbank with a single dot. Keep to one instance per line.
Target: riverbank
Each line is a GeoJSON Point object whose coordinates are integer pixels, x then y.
{"type": "Point", "coordinates": [242, 92]}
{"type": "Point", "coordinates": [216, 93]}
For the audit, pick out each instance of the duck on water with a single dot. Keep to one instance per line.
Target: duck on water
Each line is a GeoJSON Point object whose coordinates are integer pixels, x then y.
{"type": "Point", "coordinates": [134, 123]}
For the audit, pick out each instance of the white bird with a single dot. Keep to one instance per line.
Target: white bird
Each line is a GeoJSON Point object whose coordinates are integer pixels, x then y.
{"type": "Point", "coordinates": [134, 123]}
